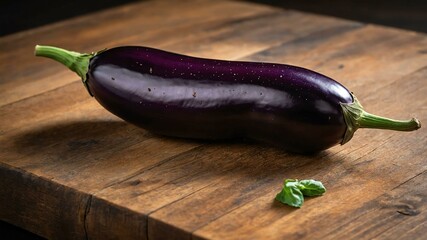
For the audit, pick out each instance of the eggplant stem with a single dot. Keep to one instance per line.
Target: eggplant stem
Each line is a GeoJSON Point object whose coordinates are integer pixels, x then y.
{"type": "Point", "coordinates": [356, 117]}
{"type": "Point", "coordinates": [76, 62]}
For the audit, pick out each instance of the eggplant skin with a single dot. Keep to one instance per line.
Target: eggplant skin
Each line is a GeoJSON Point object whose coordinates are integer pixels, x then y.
{"type": "Point", "coordinates": [176, 95]}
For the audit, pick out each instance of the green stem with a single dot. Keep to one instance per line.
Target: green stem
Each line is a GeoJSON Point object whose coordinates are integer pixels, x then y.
{"type": "Point", "coordinates": [369, 120]}
{"type": "Point", "coordinates": [76, 62]}
{"type": "Point", "coordinates": [356, 117]}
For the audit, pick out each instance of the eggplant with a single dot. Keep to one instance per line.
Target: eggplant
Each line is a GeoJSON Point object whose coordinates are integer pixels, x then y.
{"type": "Point", "coordinates": [170, 94]}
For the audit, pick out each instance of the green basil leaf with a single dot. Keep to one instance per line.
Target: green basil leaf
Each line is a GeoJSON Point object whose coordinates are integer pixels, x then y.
{"type": "Point", "coordinates": [291, 183]}
{"type": "Point", "coordinates": [293, 191]}
{"type": "Point", "coordinates": [290, 194]}
{"type": "Point", "coordinates": [311, 187]}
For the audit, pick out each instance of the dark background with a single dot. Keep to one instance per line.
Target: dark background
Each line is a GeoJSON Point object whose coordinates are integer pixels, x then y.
{"type": "Point", "coordinates": [406, 14]}
{"type": "Point", "coordinates": [19, 15]}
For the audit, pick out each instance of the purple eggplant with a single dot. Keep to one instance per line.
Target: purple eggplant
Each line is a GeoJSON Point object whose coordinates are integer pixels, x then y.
{"type": "Point", "coordinates": [170, 94]}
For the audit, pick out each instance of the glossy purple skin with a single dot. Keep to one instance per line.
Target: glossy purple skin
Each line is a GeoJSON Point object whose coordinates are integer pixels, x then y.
{"type": "Point", "coordinates": [176, 95]}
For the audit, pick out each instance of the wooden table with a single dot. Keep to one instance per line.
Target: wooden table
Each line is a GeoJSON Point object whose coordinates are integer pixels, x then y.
{"type": "Point", "coordinates": [70, 169]}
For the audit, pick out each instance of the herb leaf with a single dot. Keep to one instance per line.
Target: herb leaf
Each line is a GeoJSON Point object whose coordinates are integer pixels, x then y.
{"type": "Point", "coordinates": [293, 191]}
{"type": "Point", "coordinates": [290, 194]}
{"type": "Point", "coordinates": [311, 188]}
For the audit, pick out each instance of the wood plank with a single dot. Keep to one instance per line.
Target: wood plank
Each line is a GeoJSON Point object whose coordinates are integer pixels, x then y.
{"type": "Point", "coordinates": [45, 208]}
{"type": "Point", "coordinates": [108, 221]}
{"type": "Point", "coordinates": [397, 214]}
{"type": "Point", "coordinates": [81, 149]}
{"type": "Point", "coordinates": [278, 27]}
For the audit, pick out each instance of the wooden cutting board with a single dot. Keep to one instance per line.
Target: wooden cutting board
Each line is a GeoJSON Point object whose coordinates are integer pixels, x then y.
{"type": "Point", "coordinates": [70, 169]}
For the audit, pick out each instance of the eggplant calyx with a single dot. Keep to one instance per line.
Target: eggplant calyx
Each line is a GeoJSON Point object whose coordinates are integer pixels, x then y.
{"type": "Point", "coordinates": [76, 62]}
{"type": "Point", "coordinates": [356, 117]}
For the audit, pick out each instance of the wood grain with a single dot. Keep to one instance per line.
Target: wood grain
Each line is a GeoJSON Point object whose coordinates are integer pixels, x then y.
{"type": "Point", "coordinates": [42, 207]}
{"type": "Point", "coordinates": [70, 168]}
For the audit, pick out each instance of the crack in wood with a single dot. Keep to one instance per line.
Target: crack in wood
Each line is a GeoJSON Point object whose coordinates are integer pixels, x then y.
{"type": "Point", "coordinates": [87, 210]}
{"type": "Point", "coordinates": [409, 179]}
